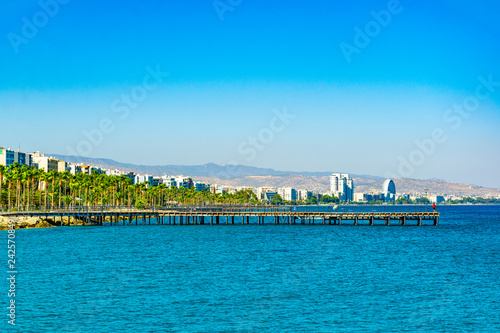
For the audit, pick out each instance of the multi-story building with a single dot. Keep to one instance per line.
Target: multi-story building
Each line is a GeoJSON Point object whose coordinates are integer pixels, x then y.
{"type": "Point", "coordinates": [261, 192]}
{"type": "Point", "coordinates": [288, 194]}
{"type": "Point", "coordinates": [437, 199]}
{"type": "Point", "coordinates": [9, 157]}
{"type": "Point", "coordinates": [168, 181]}
{"type": "Point", "coordinates": [6, 157]}
{"type": "Point", "coordinates": [361, 197]}
{"type": "Point", "coordinates": [365, 197]}
{"type": "Point", "coordinates": [342, 186]}
{"type": "Point", "coordinates": [304, 195]}
{"type": "Point", "coordinates": [62, 166]}
{"type": "Point", "coordinates": [155, 181]}
{"type": "Point", "coordinates": [220, 190]}
{"type": "Point", "coordinates": [269, 195]}
{"type": "Point", "coordinates": [74, 169]}
{"type": "Point", "coordinates": [139, 179]}
{"type": "Point", "coordinates": [45, 163]}
{"type": "Point", "coordinates": [199, 186]}
{"type": "Point", "coordinates": [130, 176]}
{"type": "Point", "coordinates": [389, 190]}
{"type": "Point", "coordinates": [185, 182]}
{"type": "Point", "coordinates": [244, 188]}
{"type": "Point", "coordinates": [116, 172]}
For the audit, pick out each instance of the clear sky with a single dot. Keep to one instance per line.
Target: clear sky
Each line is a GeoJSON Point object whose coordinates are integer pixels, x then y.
{"type": "Point", "coordinates": [409, 88]}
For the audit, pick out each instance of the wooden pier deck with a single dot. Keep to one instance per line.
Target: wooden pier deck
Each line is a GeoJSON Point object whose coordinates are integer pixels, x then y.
{"type": "Point", "coordinates": [232, 215]}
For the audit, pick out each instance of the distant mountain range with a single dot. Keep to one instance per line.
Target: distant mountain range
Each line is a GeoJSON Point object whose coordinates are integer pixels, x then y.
{"type": "Point", "coordinates": [207, 170]}
{"type": "Point", "coordinates": [256, 177]}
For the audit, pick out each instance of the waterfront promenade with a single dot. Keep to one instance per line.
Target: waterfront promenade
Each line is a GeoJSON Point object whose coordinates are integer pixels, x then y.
{"type": "Point", "coordinates": [230, 215]}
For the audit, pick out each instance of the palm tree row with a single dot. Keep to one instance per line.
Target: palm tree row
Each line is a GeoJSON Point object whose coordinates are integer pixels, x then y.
{"type": "Point", "coordinates": [25, 188]}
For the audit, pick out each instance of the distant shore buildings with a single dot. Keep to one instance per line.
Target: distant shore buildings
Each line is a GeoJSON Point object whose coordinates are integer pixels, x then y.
{"type": "Point", "coordinates": [9, 157]}
{"type": "Point", "coordinates": [341, 184]}
{"type": "Point", "coordinates": [388, 193]}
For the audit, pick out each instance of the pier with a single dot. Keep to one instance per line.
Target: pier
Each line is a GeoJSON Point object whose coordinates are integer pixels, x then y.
{"type": "Point", "coordinates": [231, 215]}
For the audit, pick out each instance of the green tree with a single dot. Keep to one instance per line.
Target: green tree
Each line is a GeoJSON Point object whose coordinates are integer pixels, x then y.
{"type": "Point", "coordinates": [423, 200]}
{"type": "Point", "coordinates": [3, 170]}
{"type": "Point", "coordinates": [277, 200]}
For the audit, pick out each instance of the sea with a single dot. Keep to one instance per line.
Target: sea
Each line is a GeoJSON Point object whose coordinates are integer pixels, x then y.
{"type": "Point", "coordinates": [267, 278]}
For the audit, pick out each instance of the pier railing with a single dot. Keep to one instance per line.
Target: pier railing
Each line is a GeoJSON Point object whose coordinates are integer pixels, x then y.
{"type": "Point", "coordinates": [103, 215]}
{"type": "Point", "coordinates": [238, 208]}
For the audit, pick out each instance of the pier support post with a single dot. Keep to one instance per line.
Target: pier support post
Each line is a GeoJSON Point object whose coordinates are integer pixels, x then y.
{"type": "Point", "coordinates": [420, 220]}
{"type": "Point", "coordinates": [340, 220]}
{"type": "Point", "coordinates": [388, 222]}
{"type": "Point", "coordinates": [355, 220]}
{"type": "Point", "coordinates": [436, 220]}
{"type": "Point", "coordinates": [371, 220]}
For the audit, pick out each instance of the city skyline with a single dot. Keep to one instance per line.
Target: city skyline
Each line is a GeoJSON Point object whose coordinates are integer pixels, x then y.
{"type": "Point", "coordinates": [342, 87]}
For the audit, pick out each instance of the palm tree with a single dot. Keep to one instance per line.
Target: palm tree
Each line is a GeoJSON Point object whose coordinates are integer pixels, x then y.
{"type": "Point", "coordinates": [45, 178]}
{"type": "Point", "coordinates": [61, 179]}
{"type": "Point", "coordinates": [9, 178]}
{"type": "Point", "coordinates": [24, 176]}
{"type": "Point", "coordinates": [86, 183]}
{"type": "Point", "coordinates": [3, 169]}
{"type": "Point", "coordinates": [66, 175]}
{"type": "Point", "coordinates": [37, 174]}
{"type": "Point", "coordinates": [14, 170]}
{"type": "Point", "coordinates": [53, 176]}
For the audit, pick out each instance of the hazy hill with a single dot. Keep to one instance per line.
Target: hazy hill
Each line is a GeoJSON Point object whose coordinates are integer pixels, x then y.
{"type": "Point", "coordinates": [211, 170]}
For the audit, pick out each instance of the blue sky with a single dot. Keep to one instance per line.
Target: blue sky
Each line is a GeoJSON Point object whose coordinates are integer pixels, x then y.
{"type": "Point", "coordinates": [233, 64]}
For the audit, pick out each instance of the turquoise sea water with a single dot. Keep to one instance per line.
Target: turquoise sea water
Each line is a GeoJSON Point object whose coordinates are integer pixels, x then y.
{"type": "Point", "coordinates": [272, 278]}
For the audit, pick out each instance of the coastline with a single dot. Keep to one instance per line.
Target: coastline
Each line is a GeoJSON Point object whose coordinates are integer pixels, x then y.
{"type": "Point", "coordinates": [39, 222]}
{"type": "Point", "coordinates": [34, 222]}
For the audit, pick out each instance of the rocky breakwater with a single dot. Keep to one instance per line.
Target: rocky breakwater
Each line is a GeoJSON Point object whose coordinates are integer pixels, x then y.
{"type": "Point", "coordinates": [35, 222]}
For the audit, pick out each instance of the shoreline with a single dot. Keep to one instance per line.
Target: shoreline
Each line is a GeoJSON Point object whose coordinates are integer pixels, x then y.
{"type": "Point", "coordinates": [22, 222]}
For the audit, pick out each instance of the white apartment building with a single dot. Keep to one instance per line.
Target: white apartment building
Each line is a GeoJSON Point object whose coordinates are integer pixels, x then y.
{"type": "Point", "coordinates": [45, 163]}
{"type": "Point", "coordinates": [304, 195]}
{"type": "Point", "coordinates": [342, 186]}
{"type": "Point", "coordinates": [168, 181]}
{"type": "Point", "coordinates": [288, 194]}
{"type": "Point", "coordinates": [261, 192]}
{"type": "Point", "coordinates": [74, 169]}
{"type": "Point", "coordinates": [186, 182]}
{"type": "Point", "coordinates": [199, 186]}
{"type": "Point", "coordinates": [139, 179]}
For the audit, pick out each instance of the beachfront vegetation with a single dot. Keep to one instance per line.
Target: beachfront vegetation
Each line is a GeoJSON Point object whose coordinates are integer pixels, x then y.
{"type": "Point", "coordinates": [24, 188]}
{"type": "Point", "coordinates": [474, 201]}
